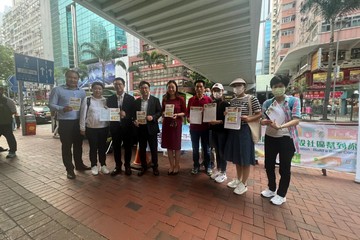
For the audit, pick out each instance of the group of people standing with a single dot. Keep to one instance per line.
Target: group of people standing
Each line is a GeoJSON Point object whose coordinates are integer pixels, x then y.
{"type": "Point", "coordinates": [141, 116]}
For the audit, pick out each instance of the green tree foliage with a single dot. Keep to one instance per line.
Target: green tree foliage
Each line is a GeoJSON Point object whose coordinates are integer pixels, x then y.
{"type": "Point", "coordinates": [100, 51]}
{"type": "Point", "coordinates": [153, 58]}
{"type": "Point", "coordinates": [197, 76]}
{"type": "Point", "coordinates": [7, 64]}
{"type": "Point", "coordinates": [133, 68]}
{"type": "Point", "coordinates": [330, 10]}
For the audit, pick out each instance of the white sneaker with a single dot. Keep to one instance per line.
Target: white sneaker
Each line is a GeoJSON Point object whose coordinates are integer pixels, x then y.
{"type": "Point", "coordinates": [221, 178]}
{"type": "Point", "coordinates": [278, 200]}
{"type": "Point", "coordinates": [215, 175]}
{"type": "Point", "coordinates": [94, 170]}
{"type": "Point", "coordinates": [234, 183]}
{"type": "Point", "coordinates": [240, 189]}
{"type": "Point", "coordinates": [268, 193]}
{"type": "Point", "coordinates": [104, 169]}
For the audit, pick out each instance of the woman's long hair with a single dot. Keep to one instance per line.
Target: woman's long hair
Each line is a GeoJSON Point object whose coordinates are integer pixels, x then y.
{"type": "Point", "coordinates": [167, 95]}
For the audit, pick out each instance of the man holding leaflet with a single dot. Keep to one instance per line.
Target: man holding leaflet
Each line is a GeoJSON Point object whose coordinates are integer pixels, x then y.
{"type": "Point", "coordinates": [122, 131]}
{"type": "Point", "coordinates": [66, 101]}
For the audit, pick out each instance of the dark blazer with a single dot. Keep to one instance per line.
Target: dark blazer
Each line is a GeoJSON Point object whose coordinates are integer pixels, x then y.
{"type": "Point", "coordinates": [154, 109]}
{"type": "Point", "coordinates": [128, 106]}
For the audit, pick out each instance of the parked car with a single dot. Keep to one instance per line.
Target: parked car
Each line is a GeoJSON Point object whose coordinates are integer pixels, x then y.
{"type": "Point", "coordinates": [42, 113]}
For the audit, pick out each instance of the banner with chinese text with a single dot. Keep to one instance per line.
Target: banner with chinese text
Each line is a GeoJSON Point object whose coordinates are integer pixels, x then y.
{"type": "Point", "coordinates": [323, 146]}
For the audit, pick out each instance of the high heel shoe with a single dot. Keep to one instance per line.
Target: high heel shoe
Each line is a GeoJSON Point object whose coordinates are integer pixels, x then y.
{"type": "Point", "coordinates": [176, 172]}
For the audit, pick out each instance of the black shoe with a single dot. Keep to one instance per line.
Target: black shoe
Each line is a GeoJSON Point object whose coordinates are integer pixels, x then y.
{"type": "Point", "coordinates": [3, 149]}
{"type": "Point", "coordinates": [142, 172]}
{"type": "Point", "coordinates": [83, 168]}
{"type": "Point", "coordinates": [128, 171]}
{"type": "Point", "coordinates": [115, 172]}
{"type": "Point", "coordinates": [71, 175]}
{"type": "Point", "coordinates": [156, 172]}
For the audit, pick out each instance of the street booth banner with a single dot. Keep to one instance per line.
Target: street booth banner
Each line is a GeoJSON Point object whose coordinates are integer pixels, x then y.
{"type": "Point", "coordinates": [323, 146]}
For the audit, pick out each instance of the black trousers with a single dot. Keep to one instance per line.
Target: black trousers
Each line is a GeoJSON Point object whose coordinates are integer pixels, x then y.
{"type": "Point", "coordinates": [122, 136]}
{"type": "Point", "coordinates": [7, 131]}
{"type": "Point", "coordinates": [284, 146]}
{"type": "Point", "coordinates": [70, 137]}
{"type": "Point", "coordinates": [219, 142]}
{"type": "Point", "coordinates": [97, 142]}
{"type": "Point", "coordinates": [144, 139]}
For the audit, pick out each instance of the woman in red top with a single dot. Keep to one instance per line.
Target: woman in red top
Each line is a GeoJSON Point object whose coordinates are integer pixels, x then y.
{"type": "Point", "coordinates": [172, 125]}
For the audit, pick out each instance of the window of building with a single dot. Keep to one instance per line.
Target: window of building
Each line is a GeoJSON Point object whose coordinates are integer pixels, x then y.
{"type": "Point", "coordinates": [355, 21]}
{"type": "Point", "coordinates": [288, 19]}
{"type": "Point", "coordinates": [287, 32]}
{"type": "Point", "coordinates": [355, 53]}
{"type": "Point", "coordinates": [325, 27]}
{"type": "Point", "coordinates": [286, 45]}
{"type": "Point", "coordinates": [288, 6]}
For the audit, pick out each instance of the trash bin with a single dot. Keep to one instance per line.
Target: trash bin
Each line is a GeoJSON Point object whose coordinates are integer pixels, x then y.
{"type": "Point", "coordinates": [30, 124]}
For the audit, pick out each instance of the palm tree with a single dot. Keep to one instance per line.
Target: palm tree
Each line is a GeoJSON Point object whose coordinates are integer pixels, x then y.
{"type": "Point", "coordinates": [133, 68]}
{"type": "Point", "coordinates": [101, 51]}
{"type": "Point", "coordinates": [330, 10]}
{"type": "Point", "coordinates": [153, 58]}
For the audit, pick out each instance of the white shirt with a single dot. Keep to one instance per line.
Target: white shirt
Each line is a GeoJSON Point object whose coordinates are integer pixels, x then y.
{"type": "Point", "coordinates": [121, 99]}
{"type": "Point", "coordinates": [91, 118]}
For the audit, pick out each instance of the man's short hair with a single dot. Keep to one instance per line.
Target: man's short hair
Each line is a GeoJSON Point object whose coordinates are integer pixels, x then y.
{"type": "Point", "coordinates": [72, 71]}
{"type": "Point", "coordinates": [144, 82]}
{"type": "Point", "coordinates": [199, 81]}
{"type": "Point", "coordinates": [280, 79]}
{"type": "Point", "coordinates": [119, 79]}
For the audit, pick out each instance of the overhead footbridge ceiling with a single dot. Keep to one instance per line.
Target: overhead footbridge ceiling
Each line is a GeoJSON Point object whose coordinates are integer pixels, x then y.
{"type": "Point", "coordinates": [217, 38]}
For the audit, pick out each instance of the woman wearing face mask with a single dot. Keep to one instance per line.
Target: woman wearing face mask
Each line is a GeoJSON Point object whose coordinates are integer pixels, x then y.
{"type": "Point", "coordinates": [239, 147]}
{"type": "Point", "coordinates": [280, 138]}
{"type": "Point", "coordinates": [219, 133]}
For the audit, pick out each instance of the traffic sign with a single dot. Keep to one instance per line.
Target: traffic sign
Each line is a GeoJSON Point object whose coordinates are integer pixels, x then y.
{"type": "Point", "coordinates": [46, 71]}
{"type": "Point", "coordinates": [32, 69]}
{"type": "Point", "coordinates": [26, 68]}
{"type": "Point", "coordinates": [14, 84]}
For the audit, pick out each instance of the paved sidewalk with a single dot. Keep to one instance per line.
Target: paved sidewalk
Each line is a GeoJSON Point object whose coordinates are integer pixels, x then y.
{"type": "Point", "coordinates": [37, 201]}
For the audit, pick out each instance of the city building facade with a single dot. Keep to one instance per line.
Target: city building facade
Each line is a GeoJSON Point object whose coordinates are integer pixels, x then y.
{"type": "Point", "coordinates": [74, 25]}
{"type": "Point", "coordinates": [300, 49]}
{"type": "Point", "coordinates": [25, 28]}
{"type": "Point", "coordinates": [158, 75]}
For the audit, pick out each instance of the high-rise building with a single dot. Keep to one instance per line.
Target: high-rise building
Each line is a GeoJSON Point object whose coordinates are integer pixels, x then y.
{"type": "Point", "coordinates": [157, 75]}
{"type": "Point", "coordinates": [300, 49]}
{"type": "Point", "coordinates": [283, 30]}
{"type": "Point", "coordinates": [74, 25]}
{"type": "Point", "coordinates": [263, 54]}
{"type": "Point", "coordinates": [25, 28]}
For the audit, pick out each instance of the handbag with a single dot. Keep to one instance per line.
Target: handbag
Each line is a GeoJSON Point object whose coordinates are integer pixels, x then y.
{"type": "Point", "coordinates": [255, 126]}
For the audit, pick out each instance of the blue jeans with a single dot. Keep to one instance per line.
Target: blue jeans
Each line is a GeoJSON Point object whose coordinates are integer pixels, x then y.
{"type": "Point", "coordinates": [195, 139]}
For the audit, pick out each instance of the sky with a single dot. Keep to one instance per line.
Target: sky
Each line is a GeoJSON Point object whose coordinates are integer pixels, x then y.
{"type": "Point", "coordinates": [4, 3]}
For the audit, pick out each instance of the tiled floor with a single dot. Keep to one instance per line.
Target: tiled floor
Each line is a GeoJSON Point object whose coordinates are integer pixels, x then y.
{"type": "Point", "coordinates": [184, 206]}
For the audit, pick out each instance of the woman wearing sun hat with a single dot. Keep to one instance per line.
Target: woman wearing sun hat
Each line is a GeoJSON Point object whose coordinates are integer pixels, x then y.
{"type": "Point", "coordinates": [239, 147]}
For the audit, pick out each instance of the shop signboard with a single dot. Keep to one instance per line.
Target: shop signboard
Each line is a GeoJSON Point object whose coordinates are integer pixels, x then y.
{"type": "Point", "coordinates": [321, 94]}
{"type": "Point", "coordinates": [316, 60]}
{"type": "Point", "coordinates": [354, 75]}
{"type": "Point", "coordinates": [321, 77]}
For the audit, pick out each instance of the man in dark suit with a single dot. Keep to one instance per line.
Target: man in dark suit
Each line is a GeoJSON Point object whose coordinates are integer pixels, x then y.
{"type": "Point", "coordinates": [122, 131]}
{"type": "Point", "coordinates": [148, 127]}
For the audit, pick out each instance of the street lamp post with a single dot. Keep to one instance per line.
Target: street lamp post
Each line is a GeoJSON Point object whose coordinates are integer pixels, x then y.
{"type": "Point", "coordinates": [337, 68]}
